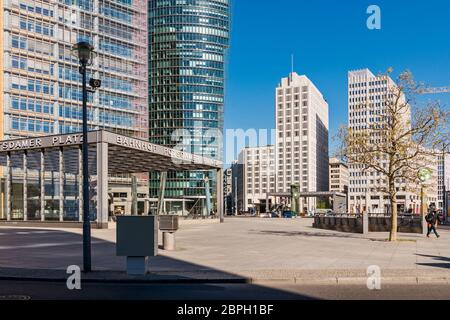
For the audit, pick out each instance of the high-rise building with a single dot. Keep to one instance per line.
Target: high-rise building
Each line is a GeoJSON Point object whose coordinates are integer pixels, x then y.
{"type": "Point", "coordinates": [338, 176]}
{"type": "Point", "coordinates": [40, 87]}
{"type": "Point", "coordinates": [228, 190]}
{"type": "Point", "coordinates": [256, 178]}
{"type": "Point", "coordinates": [302, 137]}
{"type": "Point", "coordinates": [367, 95]}
{"type": "Point", "coordinates": [443, 178]}
{"type": "Point", "coordinates": [41, 82]}
{"type": "Point", "coordinates": [188, 42]}
{"type": "Point", "coordinates": [236, 186]}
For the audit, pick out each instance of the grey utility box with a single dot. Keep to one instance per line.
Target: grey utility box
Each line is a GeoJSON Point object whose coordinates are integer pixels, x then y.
{"type": "Point", "coordinates": [137, 239]}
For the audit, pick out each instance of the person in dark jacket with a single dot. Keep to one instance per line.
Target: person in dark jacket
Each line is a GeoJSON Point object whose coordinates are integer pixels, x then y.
{"type": "Point", "coordinates": [432, 218]}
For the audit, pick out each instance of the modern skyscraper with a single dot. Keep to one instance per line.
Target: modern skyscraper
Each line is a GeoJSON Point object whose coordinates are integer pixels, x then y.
{"type": "Point", "coordinates": [368, 96]}
{"type": "Point", "coordinates": [188, 42]}
{"type": "Point", "coordinates": [40, 87]}
{"type": "Point", "coordinates": [302, 137]}
{"type": "Point", "coordinates": [228, 190]}
{"type": "Point", "coordinates": [41, 83]}
{"type": "Point", "coordinates": [443, 178]}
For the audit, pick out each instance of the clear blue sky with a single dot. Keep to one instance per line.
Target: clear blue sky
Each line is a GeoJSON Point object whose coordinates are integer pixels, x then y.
{"type": "Point", "coordinates": [328, 38]}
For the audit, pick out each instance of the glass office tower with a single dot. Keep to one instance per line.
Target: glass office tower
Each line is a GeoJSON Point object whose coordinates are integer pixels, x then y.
{"type": "Point", "coordinates": [188, 42]}
{"type": "Point", "coordinates": [40, 82]}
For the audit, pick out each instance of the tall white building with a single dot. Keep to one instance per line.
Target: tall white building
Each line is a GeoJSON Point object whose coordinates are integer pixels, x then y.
{"type": "Point", "coordinates": [302, 137]}
{"type": "Point", "coordinates": [338, 176]}
{"type": "Point", "coordinates": [443, 178]}
{"type": "Point", "coordinates": [228, 190]}
{"type": "Point", "coordinates": [257, 177]}
{"type": "Point", "coordinates": [367, 103]}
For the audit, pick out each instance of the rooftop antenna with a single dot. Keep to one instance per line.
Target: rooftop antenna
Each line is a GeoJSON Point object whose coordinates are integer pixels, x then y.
{"type": "Point", "coordinates": [292, 63]}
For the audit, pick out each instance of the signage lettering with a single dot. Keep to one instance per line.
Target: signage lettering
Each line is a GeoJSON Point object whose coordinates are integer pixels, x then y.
{"type": "Point", "coordinates": [21, 144]}
{"type": "Point", "coordinates": [136, 144]}
{"type": "Point", "coordinates": [68, 140]}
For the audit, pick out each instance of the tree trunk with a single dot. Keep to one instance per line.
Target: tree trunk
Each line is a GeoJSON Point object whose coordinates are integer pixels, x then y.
{"type": "Point", "coordinates": [394, 218]}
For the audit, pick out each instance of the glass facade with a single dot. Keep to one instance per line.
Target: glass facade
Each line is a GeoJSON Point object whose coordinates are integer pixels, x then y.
{"type": "Point", "coordinates": [42, 92]}
{"type": "Point", "coordinates": [188, 42]}
{"type": "Point", "coordinates": [46, 185]}
{"type": "Point", "coordinates": [41, 88]}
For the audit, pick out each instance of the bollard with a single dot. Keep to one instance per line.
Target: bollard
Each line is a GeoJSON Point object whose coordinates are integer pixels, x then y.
{"type": "Point", "coordinates": [424, 225]}
{"type": "Point", "coordinates": [169, 241]}
{"type": "Point", "coordinates": [365, 218]}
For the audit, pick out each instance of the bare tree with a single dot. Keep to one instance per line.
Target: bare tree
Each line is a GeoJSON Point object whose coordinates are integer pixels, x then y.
{"type": "Point", "coordinates": [402, 140]}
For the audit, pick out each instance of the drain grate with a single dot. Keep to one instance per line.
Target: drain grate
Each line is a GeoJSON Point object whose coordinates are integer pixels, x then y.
{"type": "Point", "coordinates": [15, 297]}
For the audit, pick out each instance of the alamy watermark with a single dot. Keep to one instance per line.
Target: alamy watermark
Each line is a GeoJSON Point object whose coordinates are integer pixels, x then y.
{"type": "Point", "coordinates": [374, 19]}
{"type": "Point", "coordinates": [374, 278]}
{"type": "Point", "coordinates": [74, 280]}
{"type": "Point", "coordinates": [215, 145]}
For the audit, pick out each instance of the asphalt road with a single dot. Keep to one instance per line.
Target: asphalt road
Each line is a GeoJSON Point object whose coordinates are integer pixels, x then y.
{"type": "Point", "coordinates": [275, 291]}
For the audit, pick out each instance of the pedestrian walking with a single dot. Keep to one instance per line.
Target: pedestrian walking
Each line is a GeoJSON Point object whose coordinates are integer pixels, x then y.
{"type": "Point", "coordinates": [432, 218]}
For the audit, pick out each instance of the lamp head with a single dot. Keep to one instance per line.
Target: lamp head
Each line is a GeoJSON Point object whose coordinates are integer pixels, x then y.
{"type": "Point", "coordinates": [84, 52]}
{"type": "Point", "coordinates": [425, 174]}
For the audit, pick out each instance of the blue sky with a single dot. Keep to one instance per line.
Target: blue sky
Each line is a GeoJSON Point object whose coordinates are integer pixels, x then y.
{"type": "Point", "coordinates": [328, 38]}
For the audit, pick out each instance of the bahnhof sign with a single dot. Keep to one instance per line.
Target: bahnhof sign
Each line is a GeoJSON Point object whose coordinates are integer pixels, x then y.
{"type": "Point", "coordinates": [42, 176]}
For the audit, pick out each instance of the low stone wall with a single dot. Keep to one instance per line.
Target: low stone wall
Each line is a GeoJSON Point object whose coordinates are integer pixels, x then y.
{"type": "Point", "coordinates": [342, 223]}
{"type": "Point", "coordinates": [406, 224]}
{"type": "Point", "coordinates": [364, 223]}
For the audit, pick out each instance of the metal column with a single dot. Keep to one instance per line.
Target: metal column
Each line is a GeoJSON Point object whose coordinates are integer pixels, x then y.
{"type": "Point", "coordinates": [80, 186]}
{"type": "Point", "coordinates": [61, 185]}
{"type": "Point", "coordinates": [25, 187]}
{"type": "Point", "coordinates": [219, 192]}
{"type": "Point", "coordinates": [102, 185]}
{"type": "Point", "coordinates": [8, 187]}
{"type": "Point", "coordinates": [162, 193]}
{"type": "Point", "coordinates": [134, 197]}
{"type": "Point", "coordinates": [42, 179]}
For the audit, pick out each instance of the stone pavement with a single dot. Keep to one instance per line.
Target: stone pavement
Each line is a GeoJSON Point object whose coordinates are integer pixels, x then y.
{"type": "Point", "coordinates": [241, 249]}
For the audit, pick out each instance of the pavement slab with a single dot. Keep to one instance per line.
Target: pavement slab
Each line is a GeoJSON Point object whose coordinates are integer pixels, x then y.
{"type": "Point", "coordinates": [239, 250]}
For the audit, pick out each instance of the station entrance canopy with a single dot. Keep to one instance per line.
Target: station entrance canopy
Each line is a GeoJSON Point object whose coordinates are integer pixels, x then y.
{"type": "Point", "coordinates": [42, 175]}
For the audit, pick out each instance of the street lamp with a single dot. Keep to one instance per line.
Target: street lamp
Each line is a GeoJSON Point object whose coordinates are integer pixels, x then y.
{"type": "Point", "coordinates": [85, 54]}
{"type": "Point", "coordinates": [424, 176]}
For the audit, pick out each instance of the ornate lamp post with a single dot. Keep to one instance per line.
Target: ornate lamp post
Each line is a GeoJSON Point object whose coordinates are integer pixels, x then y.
{"type": "Point", "coordinates": [85, 54]}
{"type": "Point", "coordinates": [424, 176]}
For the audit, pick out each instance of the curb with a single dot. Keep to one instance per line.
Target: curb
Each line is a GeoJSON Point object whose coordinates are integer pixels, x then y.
{"type": "Point", "coordinates": [357, 281]}
{"type": "Point", "coordinates": [256, 281]}
{"type": "Point", "coordinates": [132, 281]}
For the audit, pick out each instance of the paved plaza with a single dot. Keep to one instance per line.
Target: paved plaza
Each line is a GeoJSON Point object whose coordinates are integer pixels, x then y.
{"type": "Point", "coordinates": [261, 249]}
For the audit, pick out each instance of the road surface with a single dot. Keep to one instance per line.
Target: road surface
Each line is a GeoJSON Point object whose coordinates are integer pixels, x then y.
{"type": "Point", "coordinates": [274, 291]}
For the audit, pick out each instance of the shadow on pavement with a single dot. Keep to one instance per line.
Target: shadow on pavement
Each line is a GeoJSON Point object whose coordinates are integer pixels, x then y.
{"type": "Point", "coordinates": [445, 264]}
{"type": "Point", "coordinates": [307, 234]}
{"type": "Point", "coordinates": [40, 255]}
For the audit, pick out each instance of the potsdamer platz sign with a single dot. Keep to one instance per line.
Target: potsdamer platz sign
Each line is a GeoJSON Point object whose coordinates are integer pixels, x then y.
{"type": "Point", "coordinates": [41, 176]}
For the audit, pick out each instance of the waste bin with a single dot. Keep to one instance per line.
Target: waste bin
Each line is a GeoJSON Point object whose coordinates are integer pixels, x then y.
{"type": "Point", "coordinates": [168, 224]}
